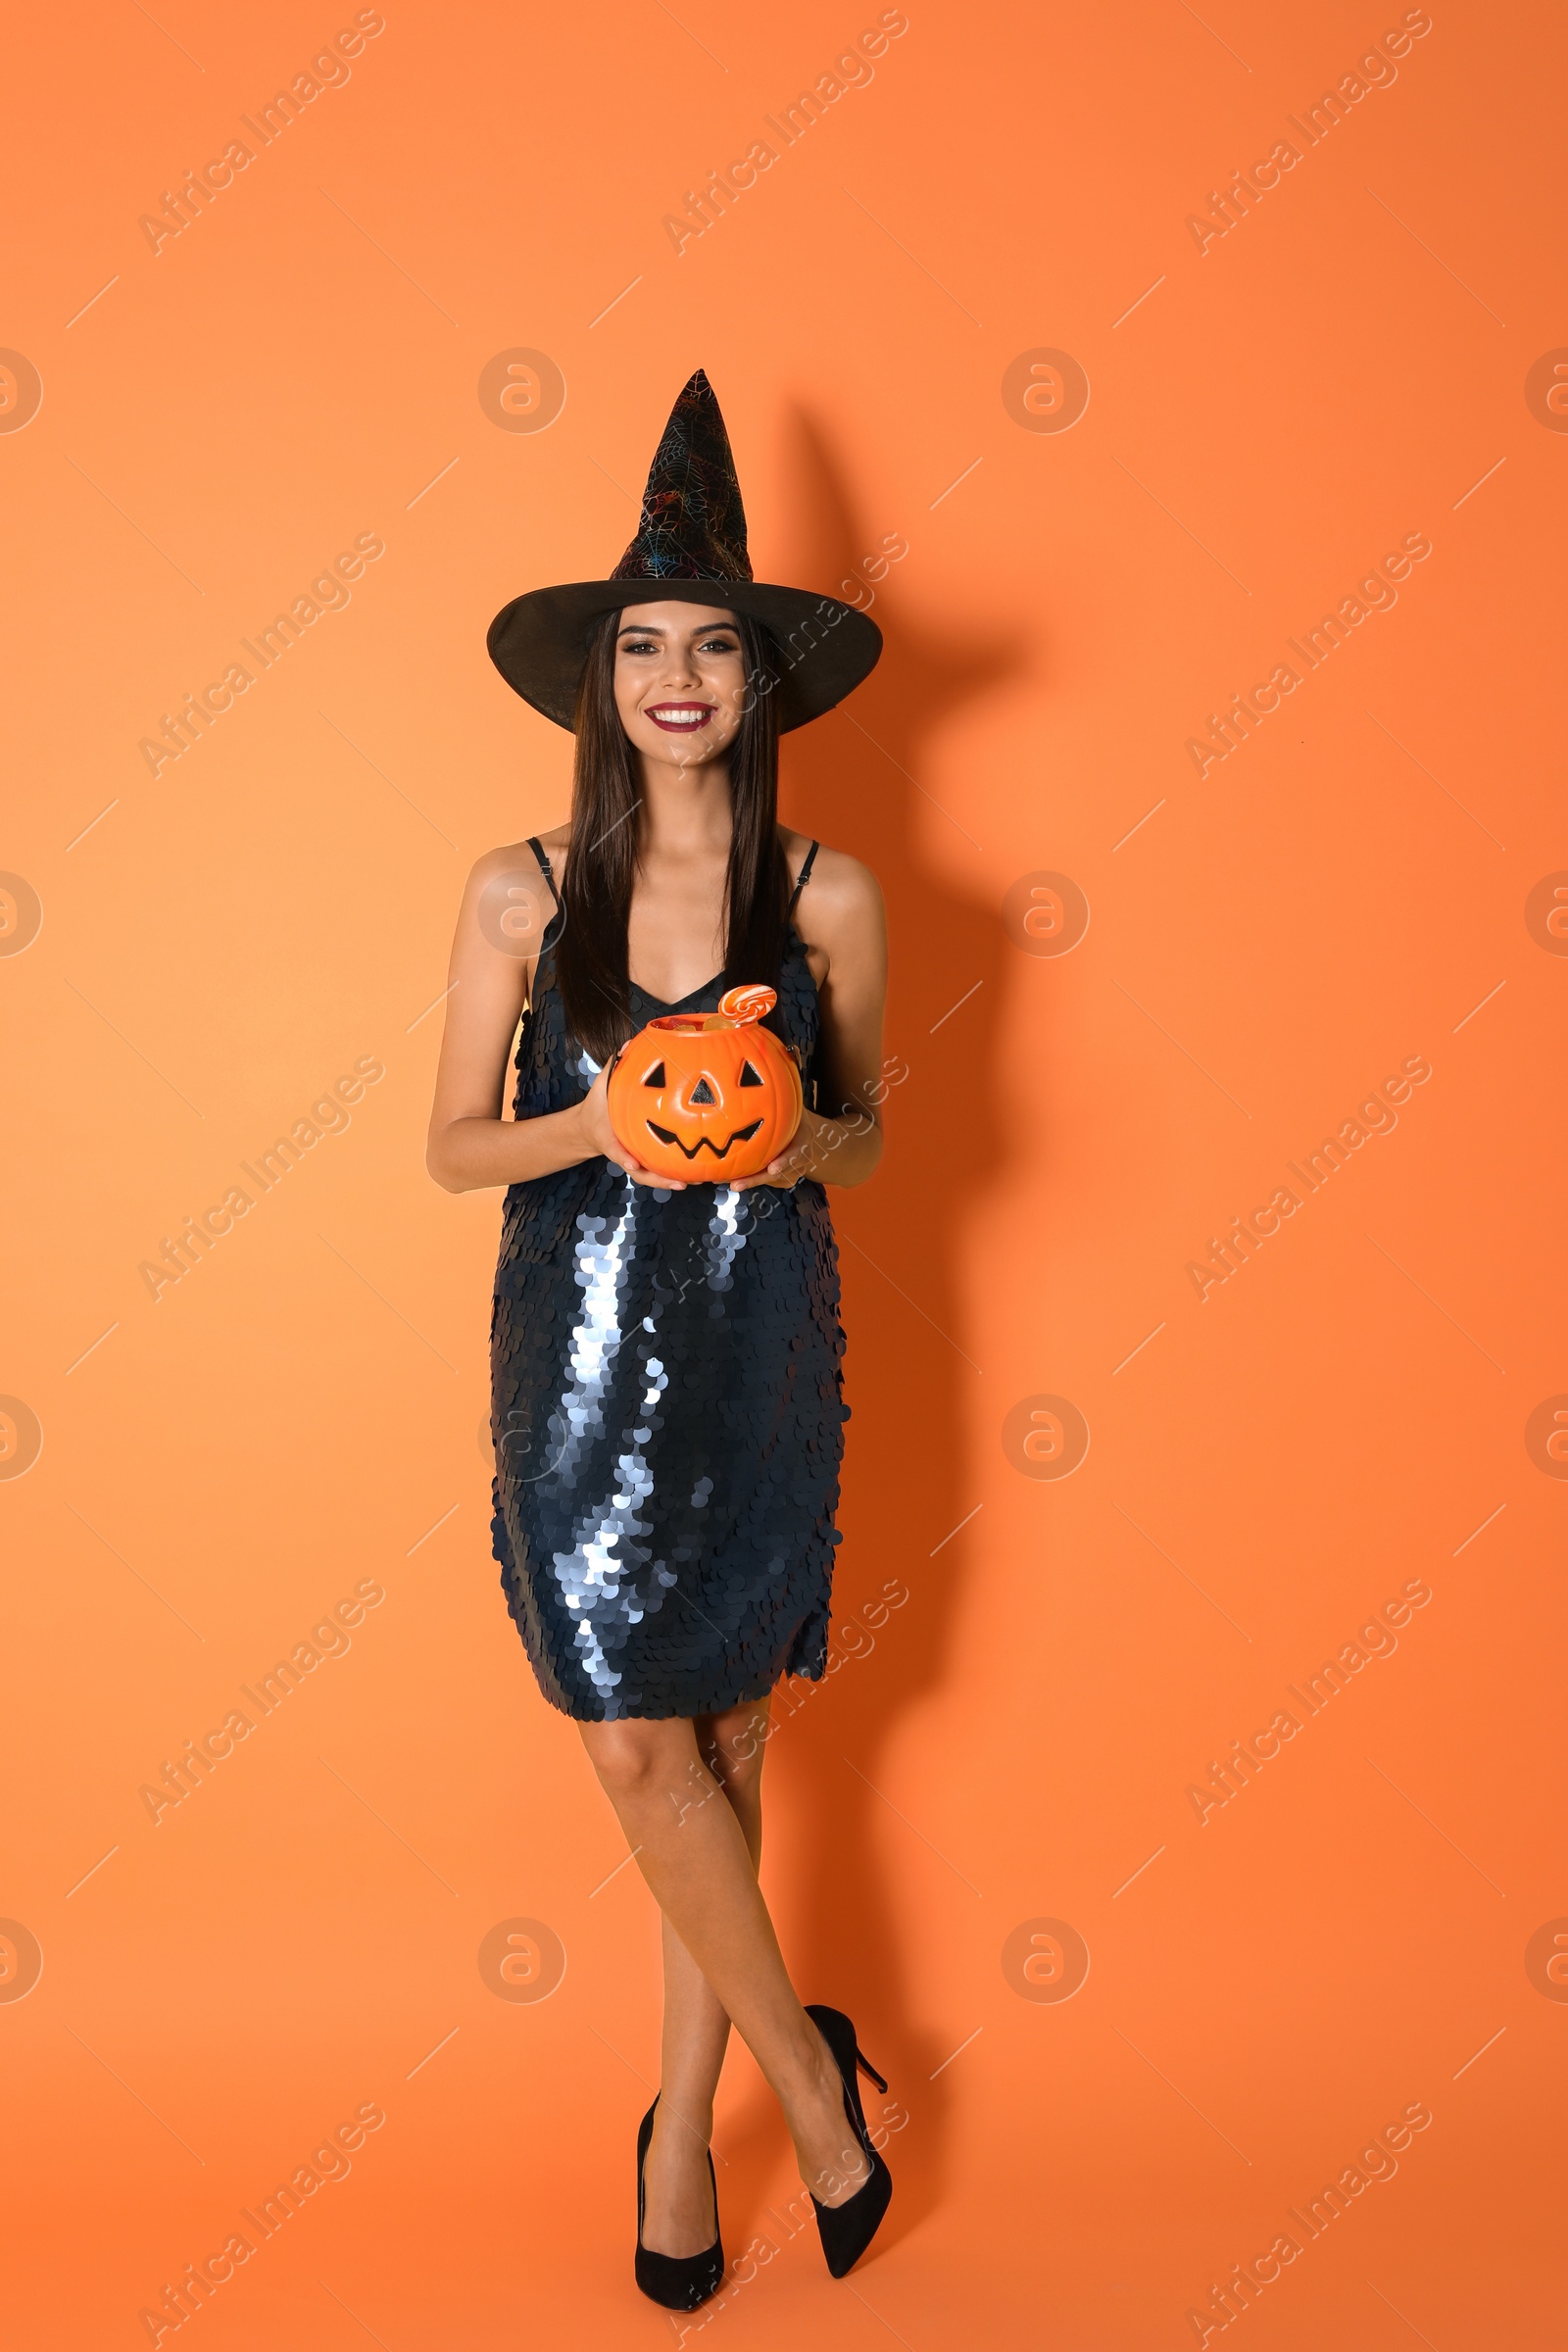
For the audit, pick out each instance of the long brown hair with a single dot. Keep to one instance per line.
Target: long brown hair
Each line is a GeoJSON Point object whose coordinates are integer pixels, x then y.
{"type": "Point", "coordinates": [591, 954]}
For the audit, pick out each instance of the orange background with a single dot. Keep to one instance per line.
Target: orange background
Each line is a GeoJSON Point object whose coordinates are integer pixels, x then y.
{"type": "Point", "coordinates": [300, 1413]}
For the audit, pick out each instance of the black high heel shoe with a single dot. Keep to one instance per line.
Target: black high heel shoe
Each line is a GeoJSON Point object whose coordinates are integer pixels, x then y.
{"type": "Point", "coordinates": [679, 2282]}
{"type": "Point", "coordinates": [846, 2230]}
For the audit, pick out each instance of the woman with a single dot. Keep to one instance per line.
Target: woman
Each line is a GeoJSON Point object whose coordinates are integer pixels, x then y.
{"type": "Point", "coordinates": [666, 1355]}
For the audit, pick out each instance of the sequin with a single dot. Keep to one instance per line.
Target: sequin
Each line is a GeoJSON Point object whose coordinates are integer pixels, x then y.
{"type": "Point", "coordinates": [666, 1410]}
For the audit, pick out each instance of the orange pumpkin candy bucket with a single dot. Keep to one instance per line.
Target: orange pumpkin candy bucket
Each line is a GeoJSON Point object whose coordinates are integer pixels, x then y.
{"type": "Point", "coordinates": [704, 1096]}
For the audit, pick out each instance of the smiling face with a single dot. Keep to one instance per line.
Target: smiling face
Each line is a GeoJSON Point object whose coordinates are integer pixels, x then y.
{"type": "Point", "coordinates": [680, 681]}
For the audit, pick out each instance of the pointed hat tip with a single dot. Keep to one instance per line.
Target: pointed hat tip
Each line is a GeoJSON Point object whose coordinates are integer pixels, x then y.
{"type": "Point", "coordinates": [693, 523]}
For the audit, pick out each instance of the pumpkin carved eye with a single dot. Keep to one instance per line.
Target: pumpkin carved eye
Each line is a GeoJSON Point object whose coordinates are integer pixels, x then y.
{"type": "Point", "coordinates": [749, 1076]}
{"type": "Point", "coordinates": [702, 1092]}
{"type": "Point", "coordinates": [655, 1076]}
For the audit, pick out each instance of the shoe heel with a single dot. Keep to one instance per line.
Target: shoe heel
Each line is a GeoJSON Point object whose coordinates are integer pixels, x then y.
{"type": "Point", "coordinates": [846, 2230]}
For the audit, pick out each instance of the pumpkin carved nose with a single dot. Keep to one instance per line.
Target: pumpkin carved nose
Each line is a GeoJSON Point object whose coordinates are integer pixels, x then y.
{"type": "Point", "coordinates": [702, 1092]}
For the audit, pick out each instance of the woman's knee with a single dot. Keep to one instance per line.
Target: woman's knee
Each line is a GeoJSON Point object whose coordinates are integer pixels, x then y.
{"type": "Point", "coordinates": [634, 1759]}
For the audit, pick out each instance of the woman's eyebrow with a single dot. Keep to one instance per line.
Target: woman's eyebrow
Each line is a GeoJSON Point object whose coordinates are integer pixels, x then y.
{"type": "Point", "coordinates": [660, 628]}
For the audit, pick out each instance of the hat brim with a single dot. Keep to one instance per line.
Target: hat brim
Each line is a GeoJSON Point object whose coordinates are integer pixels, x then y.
{"type": "Point", "coordinates": [539, 641]}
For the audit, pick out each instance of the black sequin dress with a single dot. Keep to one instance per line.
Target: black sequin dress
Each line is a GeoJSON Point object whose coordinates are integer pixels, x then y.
{"type": "Point", "coordinates": [666, 1405]}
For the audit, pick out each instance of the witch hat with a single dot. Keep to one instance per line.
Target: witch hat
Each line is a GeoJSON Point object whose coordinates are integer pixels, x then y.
{"type": "Point", "coordinates": [690, 547]}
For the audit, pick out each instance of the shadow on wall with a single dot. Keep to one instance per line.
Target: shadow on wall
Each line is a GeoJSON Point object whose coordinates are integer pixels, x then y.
{"type": "Point", "coordinates": [913, 1387]}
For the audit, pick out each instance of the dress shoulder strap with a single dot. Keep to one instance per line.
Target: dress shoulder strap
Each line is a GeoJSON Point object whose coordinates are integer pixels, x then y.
{"type": "Point", "coordinates": [556, 923]}
{"type": "Point", "coordinates": [804, 874]}
{"type": "Point", "coordinates": [544, 864]}
{"type": "Point", "coordinates": [537, 847]}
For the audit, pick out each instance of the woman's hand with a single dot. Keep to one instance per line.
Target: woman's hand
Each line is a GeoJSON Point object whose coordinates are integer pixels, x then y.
{"type": "Point", "coordinates": [592, 1115]}
{"type": "Point", "coordinates": [813, 1151]}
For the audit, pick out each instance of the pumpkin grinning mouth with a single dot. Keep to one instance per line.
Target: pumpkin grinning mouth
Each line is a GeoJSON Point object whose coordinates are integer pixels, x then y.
{"type": "Point", "coordinates": [742, 1135]}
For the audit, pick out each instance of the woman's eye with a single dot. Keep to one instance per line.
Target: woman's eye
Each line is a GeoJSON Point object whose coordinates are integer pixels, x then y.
{"type": "Point", "coordinates": [719, 645]}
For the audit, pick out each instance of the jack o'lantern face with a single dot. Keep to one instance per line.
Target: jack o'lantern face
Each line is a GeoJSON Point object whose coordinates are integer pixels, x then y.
{"type": "Point", "coordinates": [706, 1096]}
{"type": "Point", "coordinates": [702, 1107]}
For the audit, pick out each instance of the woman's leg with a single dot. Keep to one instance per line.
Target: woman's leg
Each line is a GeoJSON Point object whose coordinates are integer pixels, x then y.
{"type": "Point", "coordinates": [679, 2217]}
{"type": "Point", "coordinates": [696, 1861]}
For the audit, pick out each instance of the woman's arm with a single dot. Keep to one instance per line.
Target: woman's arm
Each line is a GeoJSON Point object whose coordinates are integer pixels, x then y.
{"type": "Point", "coordinates": [470, 1145]}
{"type": "Point", "coordinates": [839, 917]}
